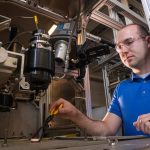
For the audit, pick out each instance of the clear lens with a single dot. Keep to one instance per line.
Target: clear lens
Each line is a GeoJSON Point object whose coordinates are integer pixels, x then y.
{"type": "Point", "coordinates": [127, 43]}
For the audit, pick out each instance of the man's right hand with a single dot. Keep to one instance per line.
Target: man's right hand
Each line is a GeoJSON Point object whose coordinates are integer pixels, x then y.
{"type": "Point", "coordinates": [68, 111]}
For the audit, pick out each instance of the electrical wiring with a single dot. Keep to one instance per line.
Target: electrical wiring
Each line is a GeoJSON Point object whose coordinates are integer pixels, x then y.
{"type": "Point", "coordinates": [20, 34]}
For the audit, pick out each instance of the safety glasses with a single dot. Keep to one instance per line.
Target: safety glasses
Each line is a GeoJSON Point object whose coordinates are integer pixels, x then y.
{"type": "Point", "coordinates": [127, 43]}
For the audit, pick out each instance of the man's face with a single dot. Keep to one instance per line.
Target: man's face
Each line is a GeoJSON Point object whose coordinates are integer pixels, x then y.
{"type": "Point", "coordinates": [132, 47]}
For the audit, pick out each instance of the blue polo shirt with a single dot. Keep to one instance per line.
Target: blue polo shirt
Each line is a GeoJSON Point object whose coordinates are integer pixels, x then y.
{"type": "Point", "coordinates": [131, 98]}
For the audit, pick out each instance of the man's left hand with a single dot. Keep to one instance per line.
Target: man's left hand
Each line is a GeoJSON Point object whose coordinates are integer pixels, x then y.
{"type": "Point", "coordinates": [143, 123]}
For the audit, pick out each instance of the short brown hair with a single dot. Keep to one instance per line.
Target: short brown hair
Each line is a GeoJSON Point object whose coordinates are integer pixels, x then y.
{"type": "Point", "coordinates": [142, 29]}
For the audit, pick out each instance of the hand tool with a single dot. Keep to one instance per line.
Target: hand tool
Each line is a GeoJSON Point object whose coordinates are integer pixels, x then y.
{"type": "Point", "coordinates": [38, 136]}
{"type": "Point", "coordinates": [53, 112]}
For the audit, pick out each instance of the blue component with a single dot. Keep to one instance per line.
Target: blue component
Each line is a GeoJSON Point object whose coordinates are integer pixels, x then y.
{"type": "Point", "coordinates": [60, 26]}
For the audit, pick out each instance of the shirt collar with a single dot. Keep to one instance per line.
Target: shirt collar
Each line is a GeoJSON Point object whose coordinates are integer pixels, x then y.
{"type": "Point", "coordinates": [135, 76]}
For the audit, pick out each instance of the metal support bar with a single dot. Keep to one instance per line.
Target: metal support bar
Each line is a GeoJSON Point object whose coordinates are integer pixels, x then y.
{"type": "Point", "coordinates": [106, 20]}
{"type": "Point", "coordinates": [38, 9]}
{"type": "Point", "coordinates": [93, 37]}
{"type": "Point", "coordinates": [105, 60]}
{"type": "Point", "coordinates": [4, 24]}
{"type": "Point", "coordinates": [95, 5]}
{"type": "Point", "coordinates": [114, 66]}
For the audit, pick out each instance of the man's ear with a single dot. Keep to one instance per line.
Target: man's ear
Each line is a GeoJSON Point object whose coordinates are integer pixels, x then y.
{"type": "Point", "coordinates": [148, 40]}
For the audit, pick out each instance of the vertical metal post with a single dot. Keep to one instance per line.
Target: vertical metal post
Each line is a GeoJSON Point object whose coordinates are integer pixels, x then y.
{"type": "Point", "coordinates": [48, 100]}
{"type": "Point", "coordinates": [127, 20]}
{"type": "Point", "coordinates": [84, 21]}
{"type": "Point", "coordinates": [113, 15]}
{"type": "Point", "coordinates": [146, 7]}
{"type": "Point", "coordinates": [106, 86]}
{"type": "Point", "coordinates": [88, 93]}
{"type": "Point", "coordinates": [41, 112]}
{"type": "Point", "coordinates": [42, 106]}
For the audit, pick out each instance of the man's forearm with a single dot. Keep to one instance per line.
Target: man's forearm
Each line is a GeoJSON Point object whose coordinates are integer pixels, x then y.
{"type": "Point", "coordinates": [91, 127]}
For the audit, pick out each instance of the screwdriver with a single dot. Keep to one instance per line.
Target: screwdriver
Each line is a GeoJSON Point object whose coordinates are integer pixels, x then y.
{"type": "Point", "coordinates": [53, 112]}
{"type": "Point", "coordinates": [36, 21]}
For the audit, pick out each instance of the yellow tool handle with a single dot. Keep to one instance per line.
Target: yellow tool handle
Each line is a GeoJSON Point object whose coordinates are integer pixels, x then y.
{"type": "Point", "coordinates": [55, 111]}
{"type": "Point", "coordinates": [36, 21]}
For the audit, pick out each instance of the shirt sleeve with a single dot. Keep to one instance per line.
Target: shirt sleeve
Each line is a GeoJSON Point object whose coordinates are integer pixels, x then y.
{"type": "Point", "coordinates": [114, 105]}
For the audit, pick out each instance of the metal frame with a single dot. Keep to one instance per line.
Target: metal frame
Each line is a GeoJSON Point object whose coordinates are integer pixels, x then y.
{"type": "Point", "coordinates": [106, 20]}
{"type": "Point", "coordinates": [5, 24]}
{"type": "Point", "coordinates": [115, 7]}
{"type": "Point", "coordinates": [125, 11]}
{"type": "Point", "coordinates": [119, 8]}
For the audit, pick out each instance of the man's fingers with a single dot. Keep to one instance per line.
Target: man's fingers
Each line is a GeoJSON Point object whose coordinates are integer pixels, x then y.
{"type": "Point", "coordinates": [142, 125]}
{"type": "Point", "coordinates": [147, 127]}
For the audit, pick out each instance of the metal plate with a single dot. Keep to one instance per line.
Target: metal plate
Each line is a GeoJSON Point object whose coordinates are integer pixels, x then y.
{"type": "Point", "coordinates": [140, 144]}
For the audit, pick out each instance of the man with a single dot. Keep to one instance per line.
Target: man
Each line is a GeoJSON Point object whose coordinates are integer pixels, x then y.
{"type": "Point", "coordinates": [130, 104]}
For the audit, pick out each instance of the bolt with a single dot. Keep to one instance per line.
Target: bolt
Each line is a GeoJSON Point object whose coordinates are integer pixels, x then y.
{"type": "Point", "coordinates": [14, 63]}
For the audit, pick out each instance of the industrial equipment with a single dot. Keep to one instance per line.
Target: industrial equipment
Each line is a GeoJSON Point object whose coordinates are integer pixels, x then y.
{"type": "Point", "coordinates": [31, 60]}
{"type": "Point", "coordinates": [40, 61]}
{"type": "Point", "coordinates": [43, 51]}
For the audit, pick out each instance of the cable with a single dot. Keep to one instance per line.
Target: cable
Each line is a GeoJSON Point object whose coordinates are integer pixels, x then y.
{"type": "Point", "coordinates": [24, 17]}
{"type": "Point", "coordinates": [5, 44]}
{"type": "Point", "coordinates": [26, 32]}
{"type": "Point", "coordinates": [41, 131]}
